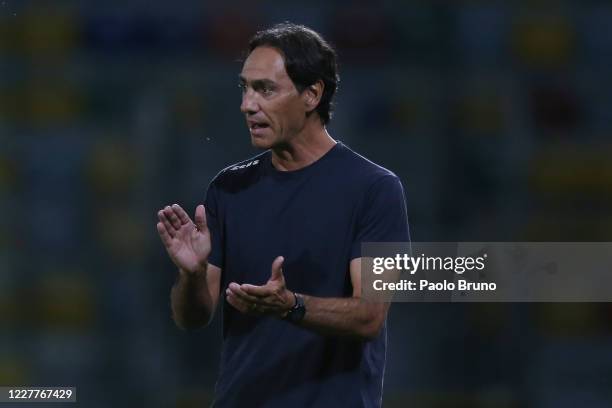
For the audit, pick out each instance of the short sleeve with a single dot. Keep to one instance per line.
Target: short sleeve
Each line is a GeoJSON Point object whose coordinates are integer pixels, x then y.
{"type": "Point", "coordinates": [213, 220]}
{"type": "Point", "coordinates": [382, 215]}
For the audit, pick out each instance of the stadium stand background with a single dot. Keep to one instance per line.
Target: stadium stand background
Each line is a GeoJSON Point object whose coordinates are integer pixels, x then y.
{"type": "Point", "coordinates": [497, 117]}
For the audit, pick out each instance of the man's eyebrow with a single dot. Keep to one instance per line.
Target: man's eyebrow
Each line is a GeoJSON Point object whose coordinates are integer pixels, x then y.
{"type": "Point", "coordinates": [256, 82]}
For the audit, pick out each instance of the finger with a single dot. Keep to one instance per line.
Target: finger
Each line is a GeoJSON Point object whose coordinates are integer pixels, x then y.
{"type": "Point", "coordinates": [265, 296]}
{"type": "Point", "coordinates": [181, 214]}
{"type": "Point", "coordinates": [235, 289]}
{"type": "Point", "coordinates": [176, 223]}
{"type": "Point", "coordinates": [261, 309]}
{"type": "Point", "coordinates": [256, 291]}
{"type": "Point", "coordinates": [237, 303]}
{"type": "Point", "coordinates": [277, 270]}
{"type": "Point", "coordinates": [200, 217]}
{"type": "Point", "coordinates": [167, 224]}
{"type": "Point", "coordinates": [231, 299]}
{"type": "Point", "coordinates": [249, 308]}
{"type": "Point", "coordinates": [164, 235]}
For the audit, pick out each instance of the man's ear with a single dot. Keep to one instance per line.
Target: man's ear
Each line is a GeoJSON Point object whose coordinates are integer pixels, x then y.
{"type": "Point", "coordinates": [312, 95]}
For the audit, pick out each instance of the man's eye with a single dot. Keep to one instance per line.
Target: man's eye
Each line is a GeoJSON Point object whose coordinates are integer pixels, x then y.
{"type": "Point", "coordinates": [242, 87]}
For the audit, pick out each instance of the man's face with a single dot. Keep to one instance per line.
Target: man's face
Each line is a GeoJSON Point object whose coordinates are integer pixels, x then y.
{"type": "Point", "coordinates": [273, 107]}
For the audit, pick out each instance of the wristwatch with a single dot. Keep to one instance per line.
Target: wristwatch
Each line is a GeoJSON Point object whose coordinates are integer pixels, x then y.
{"type": "Point", "coordinates": [297, 312]}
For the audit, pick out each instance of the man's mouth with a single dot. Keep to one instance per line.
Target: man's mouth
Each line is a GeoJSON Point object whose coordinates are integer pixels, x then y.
{"type": "Point", "coordinates": [258, 129]}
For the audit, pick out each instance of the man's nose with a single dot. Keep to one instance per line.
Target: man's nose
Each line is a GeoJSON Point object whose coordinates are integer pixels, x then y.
{"type": "Point", "coordinates": [249, 104]}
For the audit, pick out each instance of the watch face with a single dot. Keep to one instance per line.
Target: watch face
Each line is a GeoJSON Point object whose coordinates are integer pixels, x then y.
{"type": "Point", "coordinates": [299, 310]}
{"type": "Point", "coordinates": [298, 313]}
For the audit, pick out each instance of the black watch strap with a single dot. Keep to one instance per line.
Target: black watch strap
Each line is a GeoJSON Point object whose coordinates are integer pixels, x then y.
{"type": "Point", "coordinates": [297, 312]}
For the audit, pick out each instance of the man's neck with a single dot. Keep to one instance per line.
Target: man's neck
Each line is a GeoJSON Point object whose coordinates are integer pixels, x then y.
{"type": "Point", "coordinates": [306, 148]}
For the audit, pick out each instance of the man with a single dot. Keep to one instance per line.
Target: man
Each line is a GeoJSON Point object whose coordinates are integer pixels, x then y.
{"type": "Point", "coordinates": [280, 238]}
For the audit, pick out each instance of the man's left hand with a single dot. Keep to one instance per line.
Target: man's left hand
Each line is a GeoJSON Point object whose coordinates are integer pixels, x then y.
{"type": "Point", "coordinates": [273, 298]}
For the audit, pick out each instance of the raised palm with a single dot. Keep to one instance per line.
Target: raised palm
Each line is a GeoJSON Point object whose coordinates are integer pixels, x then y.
{"type": "Point", "coordinates": [187, 243]}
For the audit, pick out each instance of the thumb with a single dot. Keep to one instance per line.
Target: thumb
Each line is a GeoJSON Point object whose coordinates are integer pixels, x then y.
{"type": "Point", "coordinates": [200, 217]}
{"type": "Point", "coordinates": [277, 270]}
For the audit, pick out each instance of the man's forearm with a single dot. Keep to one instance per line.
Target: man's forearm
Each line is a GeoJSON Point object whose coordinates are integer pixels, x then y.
{"type": "Point", "coordinates": [344, 316]}
{"type": "Point", "coordinates": [192, 305]}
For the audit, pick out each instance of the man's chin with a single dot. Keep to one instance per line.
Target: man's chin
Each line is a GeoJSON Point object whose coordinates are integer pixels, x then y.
{"type": "Point", "coordinates": [260, 142]}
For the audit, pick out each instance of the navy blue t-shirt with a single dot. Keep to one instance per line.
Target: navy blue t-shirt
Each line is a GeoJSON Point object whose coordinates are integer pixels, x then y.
{"type": "Point", "coordinates": [316, 218]}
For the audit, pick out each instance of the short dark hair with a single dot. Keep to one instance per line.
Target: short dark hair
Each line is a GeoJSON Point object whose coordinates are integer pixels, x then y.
{"type": "Point", "coordinates": [308, 58]}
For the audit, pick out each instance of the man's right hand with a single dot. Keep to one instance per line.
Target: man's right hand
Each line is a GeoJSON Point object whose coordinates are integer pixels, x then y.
{"type": "Point", "coordinates": [187, 243]}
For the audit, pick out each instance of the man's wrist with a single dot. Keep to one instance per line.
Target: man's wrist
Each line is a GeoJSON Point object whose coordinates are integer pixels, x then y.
{"type": "Point", "coordinates": [297, 311]}
{"type": "Point", "coordinates": [294, 300]}
{"type": "Point", "coordinates": [199, 271]}
{"type": "Point", "coordinates": [290, 302]}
